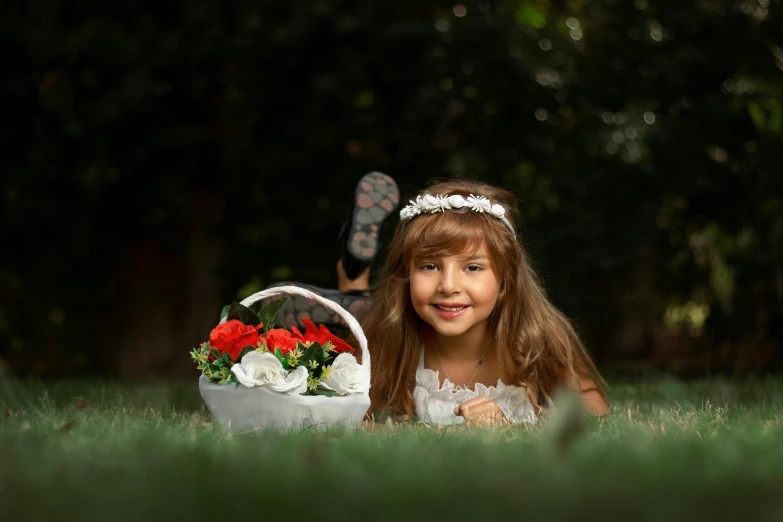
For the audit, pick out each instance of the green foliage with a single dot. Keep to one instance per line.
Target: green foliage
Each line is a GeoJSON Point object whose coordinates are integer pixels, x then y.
{"type": "Point", "coordinates": [324, 392]}
{"type": "Point", "coordinates": [283, 359]}
{"type": "Point", "coordinates": [313, 358]}
{"type": "Point", "coordinates": [532, 15]}
{"type": "Point", "coordinates": [644, 146]}
{"type": "Point", "coordinates": [214, 365]}
{"type": "Point", "coordinates": [245, 351]}
{"type": "Point", "coordinates": [268, 314]}
{"type": "Point", "coordinates": [243, 314]}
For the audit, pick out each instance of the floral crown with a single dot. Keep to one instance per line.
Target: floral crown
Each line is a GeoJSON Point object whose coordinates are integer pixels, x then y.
{"type": "Point", "coordinates": [429, 204]}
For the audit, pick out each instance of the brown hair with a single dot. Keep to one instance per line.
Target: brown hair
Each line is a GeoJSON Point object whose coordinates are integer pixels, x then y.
{"type": "Point", "coordinates": [537, 346]}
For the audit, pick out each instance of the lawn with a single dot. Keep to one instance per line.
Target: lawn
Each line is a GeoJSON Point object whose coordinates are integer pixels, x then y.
{"type": "Point", "coordinates": [710, 449]}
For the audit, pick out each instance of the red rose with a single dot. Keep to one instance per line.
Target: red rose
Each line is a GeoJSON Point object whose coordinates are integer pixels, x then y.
{"type": "Point", "coordinates": [283, 339]}
{"type": "Point", "coordinates": [321, 335]}
{"type": "Point", "coordinates": [232, 336]}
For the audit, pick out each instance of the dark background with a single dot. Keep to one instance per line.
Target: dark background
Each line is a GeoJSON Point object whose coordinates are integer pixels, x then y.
{"type": "Point", "coordinates": [160, 160]}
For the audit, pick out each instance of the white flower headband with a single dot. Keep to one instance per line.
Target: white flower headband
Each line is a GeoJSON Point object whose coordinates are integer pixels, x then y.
{"type": "Point", "coordinates": [429, 204]}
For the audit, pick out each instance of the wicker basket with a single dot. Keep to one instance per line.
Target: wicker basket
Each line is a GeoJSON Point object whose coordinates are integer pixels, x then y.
{"type": "Point", "coordinates": [240, 408]}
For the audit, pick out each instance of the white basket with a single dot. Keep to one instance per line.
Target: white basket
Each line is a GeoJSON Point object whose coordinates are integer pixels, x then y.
{"type": "Point", "coordinates": [240, 408]}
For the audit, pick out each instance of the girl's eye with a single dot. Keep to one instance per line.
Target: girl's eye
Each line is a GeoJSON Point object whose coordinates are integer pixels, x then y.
{"type": "Point", "coordinates": [428, 266]}
{"type": "Point", "coordinates": [474, 268]}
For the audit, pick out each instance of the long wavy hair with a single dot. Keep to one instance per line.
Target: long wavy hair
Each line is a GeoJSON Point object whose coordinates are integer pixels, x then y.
{"type": "Point", "coordinates": [537, 347]}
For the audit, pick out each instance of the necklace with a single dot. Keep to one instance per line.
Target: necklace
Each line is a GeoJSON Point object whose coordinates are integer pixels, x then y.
{"type": "Point", "coordinates": [467, 386]}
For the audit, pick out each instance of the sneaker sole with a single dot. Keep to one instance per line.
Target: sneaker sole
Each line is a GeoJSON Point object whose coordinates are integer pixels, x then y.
{"type": "Point", "coordinates": [377, 196]}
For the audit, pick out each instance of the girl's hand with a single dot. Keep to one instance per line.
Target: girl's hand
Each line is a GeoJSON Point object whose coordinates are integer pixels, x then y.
{"type": "Point", "coordinates": [481, 411]}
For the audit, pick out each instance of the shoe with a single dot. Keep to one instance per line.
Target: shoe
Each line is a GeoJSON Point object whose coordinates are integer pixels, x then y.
{"type": "Point", "coordinates": [377, 196]}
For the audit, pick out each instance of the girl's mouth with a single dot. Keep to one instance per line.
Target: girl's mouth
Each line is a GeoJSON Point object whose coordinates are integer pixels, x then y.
{"type": "Point", "coordinates": [450, 311]}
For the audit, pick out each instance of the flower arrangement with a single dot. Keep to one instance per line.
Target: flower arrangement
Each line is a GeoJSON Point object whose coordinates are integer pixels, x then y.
{"type": "Point", "coordinates": [246, 350]}
{"type": "Point", "coordinates": [429, 204]}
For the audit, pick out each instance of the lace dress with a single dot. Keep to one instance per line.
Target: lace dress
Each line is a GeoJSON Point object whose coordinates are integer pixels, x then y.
{"type": "Point", "coordinates": [435, 404]}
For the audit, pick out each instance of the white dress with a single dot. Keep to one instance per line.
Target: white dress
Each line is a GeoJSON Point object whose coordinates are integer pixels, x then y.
{"type": "Point", "coordinates": [435, 404]}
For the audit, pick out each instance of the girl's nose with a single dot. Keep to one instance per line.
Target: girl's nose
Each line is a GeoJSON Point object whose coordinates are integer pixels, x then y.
{"type": "Point", "coordinates": [449, 281]}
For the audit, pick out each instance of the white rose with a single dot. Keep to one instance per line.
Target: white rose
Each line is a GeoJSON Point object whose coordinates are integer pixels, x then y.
{"type": "Point", "coordinates": [295, 382]}
{"type": "Point", "coordinates": [498, 211]}
{"type": "Point", "coordinates": [347, 376]}
{"type": "Point", "coordinates": [456, 201]}
{"type": "Point", "coordinates": [264, 369]}
{"type": "Point", "coordinates": [259, 369]}
{"type": "Point", "coordinates": [429, 203]}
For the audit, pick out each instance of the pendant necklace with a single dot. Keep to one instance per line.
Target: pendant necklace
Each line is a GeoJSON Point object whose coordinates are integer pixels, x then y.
{"type": "Point", "coordinates": [467, 386]}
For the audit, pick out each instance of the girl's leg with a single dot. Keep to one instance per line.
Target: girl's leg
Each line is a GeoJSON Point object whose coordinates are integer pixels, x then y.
{"type": "Point", "coordinates": [296, 309]}
{"type": "Point", "coordinates": [375, 199]}
{"type": "Point", "coordinates": [361, 283]}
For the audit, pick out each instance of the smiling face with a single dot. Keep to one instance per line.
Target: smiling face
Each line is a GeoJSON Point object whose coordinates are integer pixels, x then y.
{"type": "Point", "coordinates": [455, 294]}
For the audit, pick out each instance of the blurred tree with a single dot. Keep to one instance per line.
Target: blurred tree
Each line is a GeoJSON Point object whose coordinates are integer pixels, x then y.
{"type": "Point", "coordinates": [161, 161]}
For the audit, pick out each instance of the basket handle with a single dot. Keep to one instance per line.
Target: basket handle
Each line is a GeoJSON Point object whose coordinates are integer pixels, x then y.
{"type": "Point", "coordinates": [353, 324]}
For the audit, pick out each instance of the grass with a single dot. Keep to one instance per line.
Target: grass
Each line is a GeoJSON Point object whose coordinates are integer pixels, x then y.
{"type": "Point", "coordinates": [710, 449]}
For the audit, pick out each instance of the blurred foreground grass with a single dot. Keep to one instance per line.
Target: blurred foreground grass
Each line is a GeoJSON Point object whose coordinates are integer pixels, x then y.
{"type": "Point", "coordinates": [711, 449]}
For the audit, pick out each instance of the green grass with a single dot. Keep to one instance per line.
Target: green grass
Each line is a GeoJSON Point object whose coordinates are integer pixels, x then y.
{"type": "Point", "coordinates": [711, 449]}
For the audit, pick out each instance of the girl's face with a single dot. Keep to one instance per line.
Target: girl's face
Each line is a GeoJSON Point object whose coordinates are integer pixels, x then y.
{"type": "Point", "coordinates": [454, 294]}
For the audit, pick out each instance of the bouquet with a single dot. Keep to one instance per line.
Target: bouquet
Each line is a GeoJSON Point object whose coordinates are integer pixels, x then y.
{"type": "Point", "coordinates": [245, 349]}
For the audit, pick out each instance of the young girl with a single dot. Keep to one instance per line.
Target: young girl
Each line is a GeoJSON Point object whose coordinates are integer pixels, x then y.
{"type": "Point", "coordinates": [459, 327]}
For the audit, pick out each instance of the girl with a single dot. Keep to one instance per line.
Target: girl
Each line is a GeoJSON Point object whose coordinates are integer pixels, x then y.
{"type": "Point", "coordinates": [459, 327]}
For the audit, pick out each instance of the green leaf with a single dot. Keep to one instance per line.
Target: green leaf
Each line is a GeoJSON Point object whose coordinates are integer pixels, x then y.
{"type": "Point", "coordinates": [224, 313]}
{"type": "Point", "coordinates": [314, 353]}
{"type": "Point", "coordinates": [321, 391]}
{"type": "Point", "coordinates": [227, 376]}
{"type": "Point", "coordinates": [269, 314]}
{"type": "Point", "coordinates": [241, 313]}
{"type": "Point", "coordinates": [285, 361]}
{"type": "Point", "coordinates": [244, 352]}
